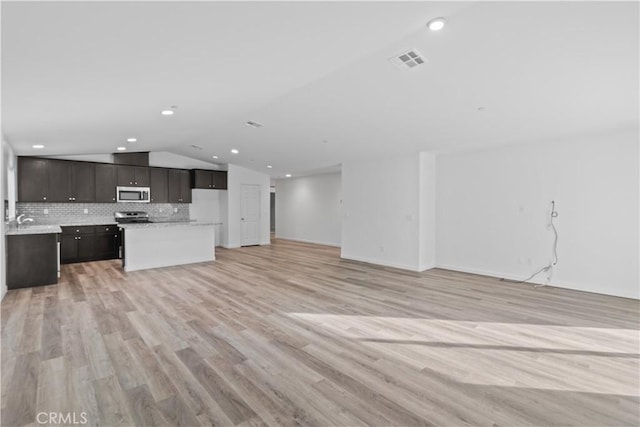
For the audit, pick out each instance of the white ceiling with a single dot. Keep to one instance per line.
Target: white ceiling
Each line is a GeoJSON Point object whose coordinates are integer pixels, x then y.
{"type": "Point", "coordinates": [81, 77]}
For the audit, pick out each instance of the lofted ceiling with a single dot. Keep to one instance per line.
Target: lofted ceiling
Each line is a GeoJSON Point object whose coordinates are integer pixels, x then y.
{"type": "Point", "coordinates": [82, 77]}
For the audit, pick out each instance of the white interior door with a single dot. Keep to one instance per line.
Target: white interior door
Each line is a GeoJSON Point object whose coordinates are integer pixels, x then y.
{"type": "Point", "coordinates": [250, 212]}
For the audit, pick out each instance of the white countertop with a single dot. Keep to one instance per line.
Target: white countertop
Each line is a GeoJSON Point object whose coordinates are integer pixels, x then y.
{"type": "Point", "coordinates": [77, 220]}
{"type": "Point", "coordinates": [166, 224]}
{"type": "Point", "coordinates": [53, 224]}
{"type": "Point", "coordinates": [33, 229]}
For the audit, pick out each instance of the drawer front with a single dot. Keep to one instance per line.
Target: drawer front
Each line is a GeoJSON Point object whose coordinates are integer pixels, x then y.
{"type": "Point", "coordinates": [79, 229]}
{"type": "Point", "coordinates": [111, 228]}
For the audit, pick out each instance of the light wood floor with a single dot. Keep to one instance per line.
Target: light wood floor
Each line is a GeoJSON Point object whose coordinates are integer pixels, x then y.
{"type": "Point", "coordinates": [290, 334]}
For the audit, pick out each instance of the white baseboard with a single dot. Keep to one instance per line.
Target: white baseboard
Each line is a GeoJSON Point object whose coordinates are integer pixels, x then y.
{"type": "Point", "coordinates": [536, 281]}
{"type": "Point", "coordinates": [425, 267]}
{"type": "Point", "coordinates": [314, 242]}
{"type": "Point", "coordinates": [383, 263]}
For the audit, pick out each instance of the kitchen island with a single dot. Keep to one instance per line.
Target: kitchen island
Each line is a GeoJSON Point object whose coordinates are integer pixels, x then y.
{"type": "Point", "coordinates": [163, 244]}
{"type": "Point", "coordinates": [32, 255]}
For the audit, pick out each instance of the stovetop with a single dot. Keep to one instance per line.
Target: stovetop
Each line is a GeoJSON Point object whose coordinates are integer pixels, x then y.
{"type": "Point", "coordinates": [133, 221]}
{"type": "Point", "coordinates": [132, 217]}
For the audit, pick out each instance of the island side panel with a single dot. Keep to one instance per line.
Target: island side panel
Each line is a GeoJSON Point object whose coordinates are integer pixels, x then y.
{"type": "Point", "coordinates": [166, 246]}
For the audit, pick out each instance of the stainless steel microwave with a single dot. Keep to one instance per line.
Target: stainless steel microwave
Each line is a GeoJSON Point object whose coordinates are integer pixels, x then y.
{"type": "Point", "coordinates": [133, 194]}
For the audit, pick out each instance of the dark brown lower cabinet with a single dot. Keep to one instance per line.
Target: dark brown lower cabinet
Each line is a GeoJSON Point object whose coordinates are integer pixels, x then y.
{"type": "Point", "coordinates": [89, 243]}
{"type": "Point", "coordinates": [107, 245]}
{"type": "Point", "coordinates": [32, 260]}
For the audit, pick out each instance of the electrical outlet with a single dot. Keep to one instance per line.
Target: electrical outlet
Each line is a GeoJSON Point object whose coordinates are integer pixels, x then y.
{"type": "Point", "coordinates": [86, 211]}
{"type": "Point", "coordinates": [530, 261]}
{"type": "Point", "coordinates": [46, 211]}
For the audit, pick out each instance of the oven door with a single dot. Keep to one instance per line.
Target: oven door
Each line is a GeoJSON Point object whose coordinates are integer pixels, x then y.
{"type": "Point", "coordinates": [133, 194]}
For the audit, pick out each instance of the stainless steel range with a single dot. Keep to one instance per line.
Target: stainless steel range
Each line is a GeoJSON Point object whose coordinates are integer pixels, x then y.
{"type": "Point", "coordinates": [132, 217]}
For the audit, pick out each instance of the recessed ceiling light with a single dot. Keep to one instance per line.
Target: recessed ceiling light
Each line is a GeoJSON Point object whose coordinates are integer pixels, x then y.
{"type": "Point", "coordinates": [37, 146]}
{"type": "Point", "coordinates": [132, 139]}
{"type": "Point", "coordinates": [288, 175]}
{"type": "Point", "coordinates": [436, 24]}
{"type": "Point", "coordinates": [122, 148]}
{"type": "Point", "coordinates": [167, 112]}
{"type": "Point", "coordinates": [234, 151]}
{"type": "Point", "coordinates": [269, 166]}
{"type": "Point", "coordinates": [214, 157]}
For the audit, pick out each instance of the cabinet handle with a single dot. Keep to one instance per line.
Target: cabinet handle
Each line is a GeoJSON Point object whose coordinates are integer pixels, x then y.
{"type": "Point", "coordinates": [107, 229]}
{"type": "Point", "coordinates": [69, 198]}
{"type": "Point", "coordinates": [77, 231]}
{"type": "Point", "coordinates": [113, 198]}
{"type": "Point", "coordinates": [44, 198]}
{"type": "Point", "coordinates": [79, 238]}
{"type": "Point", "coordinates": [115, 235]}
{"type": "Point", "coordinates": [136, 182]}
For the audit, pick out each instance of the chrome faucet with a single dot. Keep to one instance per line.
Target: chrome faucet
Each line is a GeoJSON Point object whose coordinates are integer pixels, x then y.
{"type": "Point", "coordinates": [21, 221]}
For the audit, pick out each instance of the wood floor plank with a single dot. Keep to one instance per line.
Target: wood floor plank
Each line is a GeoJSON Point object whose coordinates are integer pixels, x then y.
{"type": "Point", "coordinates": [143, 407]}
{"type": "Point", "coordinates": [231, 403]}
{"type": "Point", "coordinates": [112, 402]}
{"type": "Point", "coordinates": [23, 391]}
{"type": "Point", "coordinates": [289, 334]}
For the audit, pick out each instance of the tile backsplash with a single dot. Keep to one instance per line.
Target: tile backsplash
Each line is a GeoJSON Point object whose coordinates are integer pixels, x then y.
{"type": "Point", "coordinates": [58, 210]}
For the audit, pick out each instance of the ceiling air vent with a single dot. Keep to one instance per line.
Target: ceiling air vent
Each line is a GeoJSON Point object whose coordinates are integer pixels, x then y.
{"type": "Point", "coordinates": [253, 124]}
{"type": "Point", "coordinates": [196, 147]}
{"type": "Point", "coordinates": [409, 59]}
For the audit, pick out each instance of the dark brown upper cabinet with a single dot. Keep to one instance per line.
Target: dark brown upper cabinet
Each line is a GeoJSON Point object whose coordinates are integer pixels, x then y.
{"type": "Point", "coordinates": [106, 182]}
{"type": "Point", "coordinates": [159, 185]}
{"type": "Point", "coordinates": [179, 186]}
{"type": "Point", "coordinates": [70, 181]}
{"type": "Point", "coordinates": [208, 179]}
{"type": "Point", "coordinates": [32, 180]}
{"type": "Point", "coordinates": [133, 159]}
{"type": "Point", "coordinates": [133, 176]}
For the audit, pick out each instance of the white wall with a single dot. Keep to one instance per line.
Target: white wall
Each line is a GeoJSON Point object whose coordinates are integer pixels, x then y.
{"type": "Point", "coordinates": [308, 209]}
{"type": "Point", "coordinates": [427, 200]}
{"type": "Point", "coordinates": [170, 160]}
{"type": "Point", "coordinates": [162, 159]}
{"type": "Point", "coordinates": [8, 182]}
{"type": "Point", "coordinates": [100, 158]}
{"type": "Point", "coordinates": [236, 177]}
{"type": "Point", "coordinates": [380, 208]}
{"type": "Point", "coordinates": [205, 207]}
{"type": "Point", "coordinates": [493, 206]}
